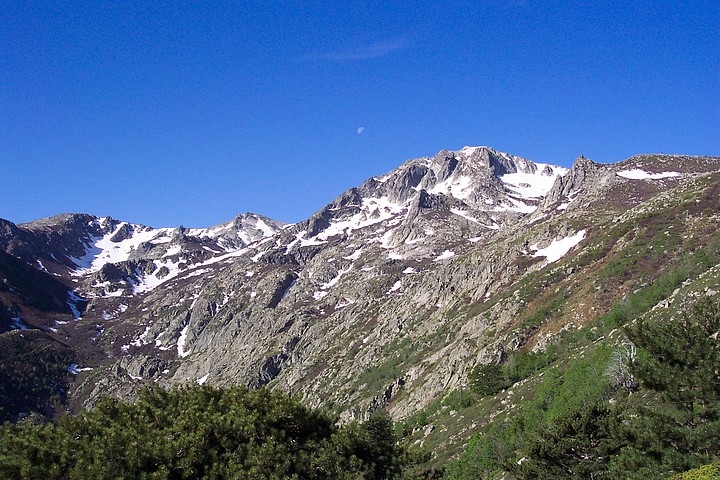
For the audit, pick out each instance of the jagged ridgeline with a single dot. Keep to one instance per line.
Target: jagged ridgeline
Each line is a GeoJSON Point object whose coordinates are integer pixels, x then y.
{"type": "Point", "coordinates": [451, 292]}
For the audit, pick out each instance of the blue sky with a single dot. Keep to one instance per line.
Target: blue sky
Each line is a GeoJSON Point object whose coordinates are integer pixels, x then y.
{"type": "Point", "coordinates": [194, 112]}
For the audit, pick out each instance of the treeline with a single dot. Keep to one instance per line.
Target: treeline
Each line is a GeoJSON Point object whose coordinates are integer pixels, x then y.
{"type": "Point", "coordinates": [650, 409]}
{"type": "Point", "coordinates": [201, 432]}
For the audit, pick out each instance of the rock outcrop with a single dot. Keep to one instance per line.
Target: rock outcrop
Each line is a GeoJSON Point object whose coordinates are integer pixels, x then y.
{"type": "Point", "coordinates": [385, 298]}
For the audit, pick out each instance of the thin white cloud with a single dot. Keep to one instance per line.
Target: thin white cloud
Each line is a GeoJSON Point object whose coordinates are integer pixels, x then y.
{"type": "Point", "coordinates": [366, 52]}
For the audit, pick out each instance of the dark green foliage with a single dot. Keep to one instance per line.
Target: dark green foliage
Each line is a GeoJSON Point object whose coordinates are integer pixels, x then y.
{"type": "Point", "coordinates": [489, 379]}
{"type": "Point", "coordinates": [672, 425]}
{"type": "Point", "coordinates": [521, 365]}
{"type": "Point", "coordinates": [34, 374]}
{"type": "Point", "coordinates": [560, 394]}
{"type": "Point", "coordinates": [577, 446]}
{"type": "Point", "coordinates": [202, 432]}
{"type": "Point", "coordinates": [460, 399]}
{"type": "Point", "coordinates": [570, 429]}
{"type": "Point", "coordinates": [378, 446]}
{"type": "Point", "coordinates": [678, 427]}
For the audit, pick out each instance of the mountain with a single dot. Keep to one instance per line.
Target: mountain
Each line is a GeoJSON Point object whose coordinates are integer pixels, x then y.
{"type": "Point", "coordinates": [391, 296]}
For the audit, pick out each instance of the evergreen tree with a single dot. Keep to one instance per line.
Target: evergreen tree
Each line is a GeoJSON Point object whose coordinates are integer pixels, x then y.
{"type": "Point", "coordinates": [678, 427]}
{"type": "Point", "coordinates": [578, 446]}
{"type": "Point", "coordinates": [489, 379]}
{"type": "Point", "coordinates": [382, 451]}
{"type": "Point", "coordinates": [202, 432]}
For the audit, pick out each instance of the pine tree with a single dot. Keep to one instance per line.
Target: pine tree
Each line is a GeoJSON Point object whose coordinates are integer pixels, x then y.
{"type": "Point", "coordinates": [382, 446]}
{"type": "Point", "coordinates": [679, 363]}
{"type": "Point", "coordinates": [202, 432]}
{"type": "Point", "coordinates": [578, 446]}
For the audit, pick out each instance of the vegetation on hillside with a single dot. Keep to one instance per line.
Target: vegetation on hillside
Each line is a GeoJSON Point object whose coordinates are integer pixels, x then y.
{"type": "Point", "coordinates": [648, 411]}
{"type": "Point", "coordinates": [34, 374]}
{"type": "Point", "coordinates": [645, 412]}
{"type": "Point", "coordinates": [630, 389]}
{"type": "Point", "coordinates": [201, 432]}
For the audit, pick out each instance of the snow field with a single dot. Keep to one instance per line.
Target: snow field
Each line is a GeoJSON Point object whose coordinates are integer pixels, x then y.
{"type": "Point", "coordinates": [558, 248]}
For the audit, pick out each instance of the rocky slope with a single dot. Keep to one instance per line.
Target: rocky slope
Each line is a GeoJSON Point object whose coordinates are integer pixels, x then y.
{"type": "Point", "coordinates": [389, 296]}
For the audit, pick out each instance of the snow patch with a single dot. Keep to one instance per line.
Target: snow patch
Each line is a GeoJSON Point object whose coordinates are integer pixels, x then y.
{"type": "Point", "coordinates": [336, 279]}
{"type": "Point", "coordinates": [142, 339]}
{"type": "Point", "coordinates": [464, 214]}
{"type": "Point", "coordinates": [522, 207]}
{"type": "Point", "coordinates": [445, 255]}
{"type": "Point", "coordinates": [637, 174]}
{"type": "Point", "coordinates": [532, 185]}
{"type": "Point", "coordinates": [72, 303]}
{"type": "Point", "coordinates": [74, 369]}
{"type": "Point", "coordinates": [174, 250]}
{"type": "Point", "coordinates": [344, 304]}
{"type": "Point", "coordinates": [355, 255]}
{"type": "Point", "coordinates": [372, 211]}
{"type": "Point", "coordinates": [199, 272]}
{"type": "Point", "coordinates": [396, 286]}
{"type": "Point", "coordinates": [18, 324]}
{"type": "Point", "coordinates": [558, 248]}
{"type": "Point", "coordinates": [517, 206]}
{"type": "Point", "coordinates": [148, 282]}
{"type": "Point", "coordinates": [266, 229]}
{"type": "Point", "coordinates": [103, 250]}
{"type": "Point", "coordinates": [386, 238]}
{"type": "Point", "coordinates": [181, 342]}
{"type": "Point", "coordinates": [460, 187]}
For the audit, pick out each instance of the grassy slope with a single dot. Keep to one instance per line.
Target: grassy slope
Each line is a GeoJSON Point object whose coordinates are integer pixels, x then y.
{"type": "Point", "coordinates": [658, 253]}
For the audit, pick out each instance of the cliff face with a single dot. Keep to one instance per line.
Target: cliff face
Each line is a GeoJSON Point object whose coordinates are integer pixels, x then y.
{"type": "Point", "coordinates": [388, 297]}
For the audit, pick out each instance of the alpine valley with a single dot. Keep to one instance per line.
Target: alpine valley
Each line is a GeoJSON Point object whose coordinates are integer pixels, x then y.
{"type": "Point", "coordinates": [397, 295]}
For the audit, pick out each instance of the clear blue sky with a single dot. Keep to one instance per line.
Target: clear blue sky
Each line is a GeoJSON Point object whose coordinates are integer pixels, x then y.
{"type": "Point", "coordinates": [193, 113]}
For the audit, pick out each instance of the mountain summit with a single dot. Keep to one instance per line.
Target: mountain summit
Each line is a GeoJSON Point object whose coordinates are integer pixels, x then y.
{"type": "Point", "coordinates": [388, 297]}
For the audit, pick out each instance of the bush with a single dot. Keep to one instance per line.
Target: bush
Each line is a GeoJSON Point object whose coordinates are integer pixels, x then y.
{"type": "Point", "coordinates": [706, 472]}
{"type": "Point", "coordinates": [202, 432]}
{"type": "Point", "coordinates": [486, 380]}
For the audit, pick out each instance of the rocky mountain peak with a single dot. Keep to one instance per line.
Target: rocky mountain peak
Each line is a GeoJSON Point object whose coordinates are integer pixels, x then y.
{"type": "Point", "coordinates": [386, 297]}
{"type": "Point", "coordinates": [583, 174]}
{"type": "Point", "coordinates": [8, 230]}
{"type": "Point", "coordinates": [460, 174]}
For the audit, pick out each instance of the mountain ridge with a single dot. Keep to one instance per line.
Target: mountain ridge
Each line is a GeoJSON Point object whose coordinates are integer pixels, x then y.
{"type": "Point", "coordinates": [387, 297]}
